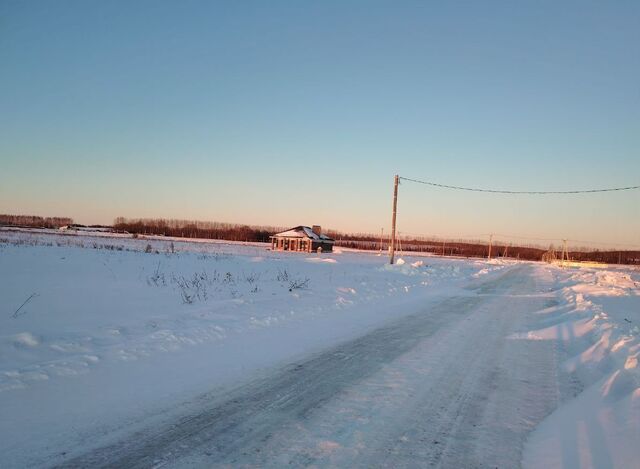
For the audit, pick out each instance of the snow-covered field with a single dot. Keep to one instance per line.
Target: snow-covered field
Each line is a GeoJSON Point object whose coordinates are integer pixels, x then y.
{"type": "Point", "coordinates": [597, 325]}
{"type": "Point", "coordinates": [101, 337]}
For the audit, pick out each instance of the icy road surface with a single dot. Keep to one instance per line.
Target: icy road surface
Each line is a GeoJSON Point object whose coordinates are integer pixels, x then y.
{"type": "Point", "coordinates": [446, 387]}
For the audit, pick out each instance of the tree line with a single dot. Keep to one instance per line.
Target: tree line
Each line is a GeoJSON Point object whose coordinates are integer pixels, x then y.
{"type": "Point", "coordinates": [608, 257]}
{"type": "Point", "coordinates": [366, 241]}
{"type": "Point", "coordinates": [196, 229]}
{"type": "Point", "coordinates": [443, 248]}
{"type": "Point", "coordinates": [33, 221]}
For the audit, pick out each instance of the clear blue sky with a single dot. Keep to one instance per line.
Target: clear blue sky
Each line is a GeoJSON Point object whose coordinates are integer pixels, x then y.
{"type": "Point", "coordinates": [299, 112]}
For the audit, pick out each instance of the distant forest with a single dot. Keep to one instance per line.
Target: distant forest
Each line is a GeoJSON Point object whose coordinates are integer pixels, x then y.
{"type": "Point", "coordinates": [366, 241]}
{"type": "Point", "coordinates": [32, 221]}
{"type": "Point", "coordinates": [195, 229]}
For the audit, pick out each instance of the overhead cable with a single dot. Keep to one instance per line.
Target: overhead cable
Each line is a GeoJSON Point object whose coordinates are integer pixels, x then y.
{"type": "Point", "coordinates": [500, 191]}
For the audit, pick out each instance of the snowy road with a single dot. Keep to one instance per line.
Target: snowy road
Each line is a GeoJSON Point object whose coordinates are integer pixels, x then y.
{"type": "Point", "coordinates": [444, 387]}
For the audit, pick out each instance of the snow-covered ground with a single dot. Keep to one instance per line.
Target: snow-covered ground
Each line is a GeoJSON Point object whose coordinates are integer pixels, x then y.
{"type": "Point", "coordinates": [597, 325]}
{"type": "Point", "coordinates": [114, 333]}
{"type": "Point", "coordinates": [101, 337]}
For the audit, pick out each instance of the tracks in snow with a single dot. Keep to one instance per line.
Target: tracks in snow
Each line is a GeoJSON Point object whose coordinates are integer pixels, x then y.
{"type": "Point", "coordinates": [444, 387]}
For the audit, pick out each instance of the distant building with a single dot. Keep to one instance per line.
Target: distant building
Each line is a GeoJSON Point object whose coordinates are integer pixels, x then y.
{"type": "Point", "coordinates": [302, 238]}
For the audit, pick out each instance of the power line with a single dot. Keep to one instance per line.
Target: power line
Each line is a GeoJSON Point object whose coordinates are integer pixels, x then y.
{"type": "Point", "coordinates": [477, 237]}
{"type": "Point", "coordinates": [636, 246]}
{"type": "Point", "coordinates": [528, 238]}
{"type": "Point", "coordinates": [398, 178]}
{"type": "Point", "coordinates": [600, 243]}
{"type": "Point", "coordinates": [499, 191]}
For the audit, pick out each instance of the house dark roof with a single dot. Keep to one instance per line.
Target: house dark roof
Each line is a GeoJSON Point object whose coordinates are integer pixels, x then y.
{"type": "Point", "coordinates": [303, 232]}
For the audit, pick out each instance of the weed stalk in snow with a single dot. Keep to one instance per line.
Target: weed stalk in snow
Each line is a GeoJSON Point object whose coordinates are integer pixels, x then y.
{"type": "Point", "coordinates": [17, 311]}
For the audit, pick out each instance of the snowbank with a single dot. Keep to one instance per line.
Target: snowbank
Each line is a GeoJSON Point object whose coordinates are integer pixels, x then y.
{"type": "Point", "coordinates": [596, 323]}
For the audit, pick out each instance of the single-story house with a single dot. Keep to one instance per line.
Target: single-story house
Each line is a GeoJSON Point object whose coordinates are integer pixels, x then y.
{"type": "Point", "coordinates": [302, 238]}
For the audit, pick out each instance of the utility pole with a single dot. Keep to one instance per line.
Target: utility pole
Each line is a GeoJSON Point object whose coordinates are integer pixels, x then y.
{"type": "Point", "coordinates": [565, 253]}
{"type": "Point", "coordinates": [396, 180]}
{"type": "Point", "coordinates": [505, 250]}
{"type": "Point", "coordinates": [381, 236]}
{"type": "Point", "coordinates": [442, 248]}
{"type": "Point", "coordinates": [490, 243]}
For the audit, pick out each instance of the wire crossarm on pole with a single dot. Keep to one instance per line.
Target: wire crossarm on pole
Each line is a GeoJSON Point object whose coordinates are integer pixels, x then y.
{"type": "Point", "coordinates": [499, 191]}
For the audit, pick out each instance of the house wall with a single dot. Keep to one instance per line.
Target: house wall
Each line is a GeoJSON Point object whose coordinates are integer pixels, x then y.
{"type": "Point", "coordinates": [299, 245]}
{"type": "Point", "coordinates": [291, 244]}
{"type": "Point", "coordinates": [326, 247]}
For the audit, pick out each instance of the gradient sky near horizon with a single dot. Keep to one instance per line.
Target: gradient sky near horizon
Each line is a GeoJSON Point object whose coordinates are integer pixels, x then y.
{"type": "Point", "coordinates": [287, 113]}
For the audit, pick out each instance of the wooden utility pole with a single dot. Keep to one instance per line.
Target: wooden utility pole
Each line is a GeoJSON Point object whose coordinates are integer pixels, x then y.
{"type": "Point", "coordinates": [565, 252]}
{"type": "Point", "coordinates": [381, 237]}
{"type": "Point", "coordinates": [490, 243]}
{"type": "Point", "coordinates": [392, 253]}
{"type": "Point", "coordinates": [443, 249]}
